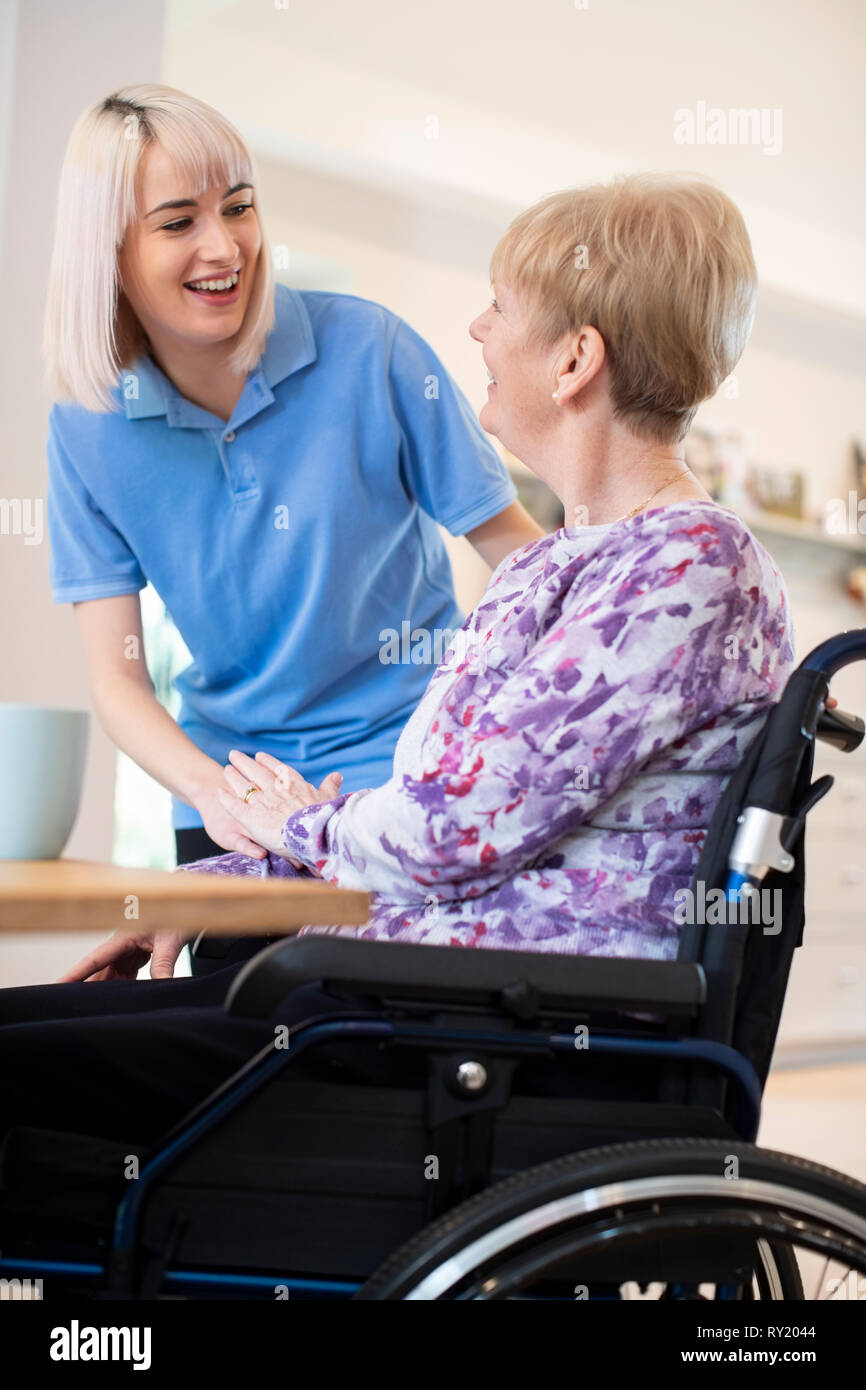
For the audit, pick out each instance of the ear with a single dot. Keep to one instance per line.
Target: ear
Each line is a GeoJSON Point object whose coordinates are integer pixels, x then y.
{"type": "Point", "coordinates": [579, 362]}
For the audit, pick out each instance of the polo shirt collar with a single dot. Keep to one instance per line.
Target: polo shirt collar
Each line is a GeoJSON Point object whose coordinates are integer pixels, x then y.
{"type": "Point", "coordinates": [146, 391]}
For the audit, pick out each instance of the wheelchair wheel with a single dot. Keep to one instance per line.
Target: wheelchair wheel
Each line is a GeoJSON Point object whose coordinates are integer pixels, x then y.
{"type": "Point", "coordinates": [514, 1239]}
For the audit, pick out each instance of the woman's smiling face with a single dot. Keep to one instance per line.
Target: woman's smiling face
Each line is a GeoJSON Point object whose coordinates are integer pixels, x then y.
{"type": "Point", "coordinates": [518, 406]}
{"type": "Point", "coordinates": [212, 236]}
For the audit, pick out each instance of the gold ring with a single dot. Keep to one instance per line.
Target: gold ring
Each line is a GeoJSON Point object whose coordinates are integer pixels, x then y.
{"type": "Point", "coordinates": [249, 791]}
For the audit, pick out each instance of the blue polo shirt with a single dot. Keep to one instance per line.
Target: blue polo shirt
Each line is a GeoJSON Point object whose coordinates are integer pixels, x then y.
{"type": "Point", "coordinates": [295, 546]}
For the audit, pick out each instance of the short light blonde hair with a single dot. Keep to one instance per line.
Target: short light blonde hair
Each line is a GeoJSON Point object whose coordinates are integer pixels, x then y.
{"type": "Point", "coordinates": [662, 266]}
{"type": "Point", "coordinates": [91, 333]}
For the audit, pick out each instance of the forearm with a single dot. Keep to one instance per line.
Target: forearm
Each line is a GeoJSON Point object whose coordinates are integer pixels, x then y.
{"type": "Point", "coordinates": [346, 842]}
{"type": "Point", "coordinates": [141, 727]}
{"type": "Point", "coordinates": [507, 531]}
{"type": "Point", "coordinates": [393, 840]}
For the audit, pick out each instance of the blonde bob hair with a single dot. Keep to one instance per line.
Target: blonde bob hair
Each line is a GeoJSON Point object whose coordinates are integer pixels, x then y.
{"type": "Point", "coordinates": [91, 333]}
{"type": "Point", "coordinates": [662, 266]}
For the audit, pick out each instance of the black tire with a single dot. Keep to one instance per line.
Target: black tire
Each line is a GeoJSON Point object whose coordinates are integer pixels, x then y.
{"type": "Point", "coordinates": [795, 1182]}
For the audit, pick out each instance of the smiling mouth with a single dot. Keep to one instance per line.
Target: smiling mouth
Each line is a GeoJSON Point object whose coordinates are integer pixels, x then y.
{"type": "Point", "coordinates": [217, 287]}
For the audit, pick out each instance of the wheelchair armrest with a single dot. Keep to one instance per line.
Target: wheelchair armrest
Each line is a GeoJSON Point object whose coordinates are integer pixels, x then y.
{"type": "Point", "coordinates": [451, 975]}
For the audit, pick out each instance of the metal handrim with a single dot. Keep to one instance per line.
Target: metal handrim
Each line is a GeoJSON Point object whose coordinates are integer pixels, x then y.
{"type": "Point", "coordinates": [532, 1224]}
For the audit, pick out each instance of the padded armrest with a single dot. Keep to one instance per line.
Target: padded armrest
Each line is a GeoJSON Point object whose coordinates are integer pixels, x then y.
{"type": "Point", "coordinates": [450, 974]}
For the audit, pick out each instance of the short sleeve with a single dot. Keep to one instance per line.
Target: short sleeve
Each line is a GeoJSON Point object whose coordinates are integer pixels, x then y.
{"type": "Point", "coordinates": [449, 464]}
{"type": "Point", "coordinates": [89, 557]}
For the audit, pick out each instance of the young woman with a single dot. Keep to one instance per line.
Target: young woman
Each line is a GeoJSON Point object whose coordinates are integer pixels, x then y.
{"type": "Point", "coordinates": [553, 789]}
{"type": "Point", "coordinates": [273, 461]}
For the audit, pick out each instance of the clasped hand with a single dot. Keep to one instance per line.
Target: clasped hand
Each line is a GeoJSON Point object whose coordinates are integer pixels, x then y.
{"type": "Point", "coordinates": [280, 792]}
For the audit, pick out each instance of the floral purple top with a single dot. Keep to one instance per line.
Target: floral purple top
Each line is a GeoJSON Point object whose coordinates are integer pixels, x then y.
{"type": "Point", "coordinates": [551, 791]}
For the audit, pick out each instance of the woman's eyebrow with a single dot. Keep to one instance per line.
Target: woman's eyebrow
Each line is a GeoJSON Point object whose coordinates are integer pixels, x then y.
{"type": "Point", "coordinates": [191, 202]}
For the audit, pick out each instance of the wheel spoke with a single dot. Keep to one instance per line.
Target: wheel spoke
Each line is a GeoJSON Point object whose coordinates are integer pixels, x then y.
{"type": "Point", "coordinates": [821, 1280]}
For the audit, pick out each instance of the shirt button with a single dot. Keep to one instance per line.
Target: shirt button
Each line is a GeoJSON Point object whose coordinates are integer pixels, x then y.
{"type": "Point", "coordinates": [230, 437]}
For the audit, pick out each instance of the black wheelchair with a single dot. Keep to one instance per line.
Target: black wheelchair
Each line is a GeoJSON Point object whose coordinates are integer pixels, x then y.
{"type": "Point", "coordinates": [548, 1127]}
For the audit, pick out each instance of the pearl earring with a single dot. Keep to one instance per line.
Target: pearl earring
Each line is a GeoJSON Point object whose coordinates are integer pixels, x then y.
{"type": "Point", "coordinates": [556, 395]}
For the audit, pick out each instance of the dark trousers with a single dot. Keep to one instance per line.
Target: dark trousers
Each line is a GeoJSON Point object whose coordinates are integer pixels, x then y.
{"type": "Point", "coordinates": [195, 843]}
{"type": "Point", "coordinates": [216, 952]}
{"type": "Point", "coordinates": [126, 1059]}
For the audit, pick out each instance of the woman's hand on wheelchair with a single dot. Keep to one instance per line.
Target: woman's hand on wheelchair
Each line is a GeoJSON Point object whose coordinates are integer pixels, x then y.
{"type": "Point", "coordinates": [123, 955]}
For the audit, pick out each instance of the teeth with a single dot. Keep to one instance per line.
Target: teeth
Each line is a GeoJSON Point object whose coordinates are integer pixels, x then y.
{"type": "Point", "coordinates": [490, 375]}
{"type": "Point", "coordinates": [215, 284]}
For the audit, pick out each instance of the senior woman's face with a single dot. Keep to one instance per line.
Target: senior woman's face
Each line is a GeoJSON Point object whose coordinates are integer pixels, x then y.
{"type": "Point", "coordinates": [167, 249]}
{"type": "Point", "coordinates": [518, 408]}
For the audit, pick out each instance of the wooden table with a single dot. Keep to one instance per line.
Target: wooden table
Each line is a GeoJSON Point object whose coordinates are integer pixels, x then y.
{"type": "Point", "coordinates": [75, 895]}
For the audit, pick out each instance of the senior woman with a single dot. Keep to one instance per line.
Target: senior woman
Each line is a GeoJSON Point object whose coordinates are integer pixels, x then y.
{"type": "Point", "coordinates": [552, 790]}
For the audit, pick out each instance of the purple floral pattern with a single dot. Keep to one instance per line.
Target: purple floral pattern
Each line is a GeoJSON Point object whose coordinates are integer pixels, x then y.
{"type": "Point", "coordinates": [552, 790]}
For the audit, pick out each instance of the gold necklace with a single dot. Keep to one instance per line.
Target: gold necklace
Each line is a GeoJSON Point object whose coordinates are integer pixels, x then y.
{"type": "Point", "coordinates": [634, 511]}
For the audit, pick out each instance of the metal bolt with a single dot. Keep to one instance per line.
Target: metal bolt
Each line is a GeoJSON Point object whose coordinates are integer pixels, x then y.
{"type": "Point", "coordinates": [471, 1076]}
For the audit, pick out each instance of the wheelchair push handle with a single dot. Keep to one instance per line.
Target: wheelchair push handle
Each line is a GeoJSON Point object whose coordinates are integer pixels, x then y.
{"type": "Point", "coordinates": [841, 650]}
{"type": "Point", "coordinates": [835, 726]}
{"type": "Point", "coordinates": [841, 730]}
{"type": "Point", "coordinates": [773, 816]}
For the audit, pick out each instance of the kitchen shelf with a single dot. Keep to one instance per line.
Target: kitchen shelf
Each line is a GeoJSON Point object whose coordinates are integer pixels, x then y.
{"type": "Point", "coordinates": [808, 531]}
